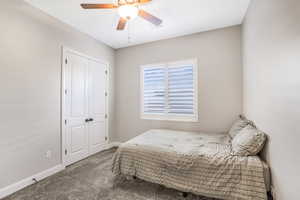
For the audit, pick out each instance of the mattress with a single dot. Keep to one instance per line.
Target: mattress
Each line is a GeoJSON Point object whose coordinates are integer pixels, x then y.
{"type": "Point", "coordinates": [199, 163]}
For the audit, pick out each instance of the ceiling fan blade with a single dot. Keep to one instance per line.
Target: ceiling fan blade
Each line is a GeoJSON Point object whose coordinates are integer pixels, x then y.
{"type": "Point", "coordinates": [98, 6]}
{"type": "Point", "coordinates": [144, 1]}
{"type": "Point", "coordinates": [147, 16]}
{"type": "Point", "coordinates": [121, 24]}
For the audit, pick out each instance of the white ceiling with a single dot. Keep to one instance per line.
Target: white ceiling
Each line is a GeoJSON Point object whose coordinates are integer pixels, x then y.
{"type": "Point", "coordinates": [180, 17]}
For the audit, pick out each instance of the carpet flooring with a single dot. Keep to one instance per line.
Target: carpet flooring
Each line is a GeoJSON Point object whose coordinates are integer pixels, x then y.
{"type": "Point", "coordinates": [91, 179]}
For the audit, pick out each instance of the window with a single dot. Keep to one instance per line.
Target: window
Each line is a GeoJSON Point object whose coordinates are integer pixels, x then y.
{"type": "Point", "coordinates": [169, 91]}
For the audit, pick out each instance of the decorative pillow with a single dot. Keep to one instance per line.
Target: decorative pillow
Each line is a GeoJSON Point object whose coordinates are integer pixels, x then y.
{"type": "Point", "coordinates": [248, 142]}
{"type": "Point", "coordinates": [237, 127]}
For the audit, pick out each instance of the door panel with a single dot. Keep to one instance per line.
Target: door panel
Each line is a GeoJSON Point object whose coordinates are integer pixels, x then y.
{"type": "Point", "coordinates": [97, 106]}
{"type": "Point", "coordinates": [78, 88]}
{"type": "Point", "coordinates": [77, 136]}
{"type": "Point", "coordinates": [97, 87]}
{"type": "Point", "coordinates": [96, 136]}
{"type": "Point", "coordinates": [76, 73]}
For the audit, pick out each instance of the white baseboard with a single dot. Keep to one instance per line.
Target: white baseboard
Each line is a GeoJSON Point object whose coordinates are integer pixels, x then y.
{"type": "Point", "coordinates": [106, 147]}
{"type": "Point", "coordinates": [8, 190]}
{"type": "Point", "coordinates": [113, 144]}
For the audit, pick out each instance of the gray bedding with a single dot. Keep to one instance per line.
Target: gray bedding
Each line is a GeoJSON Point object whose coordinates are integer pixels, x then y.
{"type": "Point", "coordinates": [193, 162]}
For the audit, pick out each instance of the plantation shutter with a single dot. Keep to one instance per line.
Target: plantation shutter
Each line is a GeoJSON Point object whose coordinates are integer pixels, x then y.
{"type": "Point", "coordinates": [154, 90]}
{"type": "Point", "coordinates": [180, 90]}
{"type": "Point", "coordinates": [169, 91]}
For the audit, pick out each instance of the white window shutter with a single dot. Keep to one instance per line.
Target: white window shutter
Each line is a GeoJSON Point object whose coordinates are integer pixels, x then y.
{"type": "Point", "coordinates": [180, 90]}
{"type": "Point", "coordinates": [169, 91]}
{"type": "Point", "coordinates": [154, 90]}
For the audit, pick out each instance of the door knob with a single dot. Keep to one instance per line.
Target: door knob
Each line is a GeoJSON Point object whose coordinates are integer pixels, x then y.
{"type": "Point", "coordinates": [89, 120]}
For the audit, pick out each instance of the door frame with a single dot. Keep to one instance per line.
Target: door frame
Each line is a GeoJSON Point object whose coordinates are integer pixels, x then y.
{"type": "Point", "coordinates": [66, 49]}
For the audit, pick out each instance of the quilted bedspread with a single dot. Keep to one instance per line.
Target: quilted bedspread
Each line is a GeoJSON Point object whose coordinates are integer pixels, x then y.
{"type": "Point", "coordinates": [192, 162]}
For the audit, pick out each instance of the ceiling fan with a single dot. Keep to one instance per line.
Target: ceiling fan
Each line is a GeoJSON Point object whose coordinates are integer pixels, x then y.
{"type": "Point", "coordinates": [127, 9]}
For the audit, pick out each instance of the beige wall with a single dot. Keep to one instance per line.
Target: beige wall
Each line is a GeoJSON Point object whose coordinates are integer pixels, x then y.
{"type": "Point", "coordinates": [30, 81]}
{"type": "Point", "coordinates": [220, 80]}
{"type": "Point", "coordinates": [271, 40]}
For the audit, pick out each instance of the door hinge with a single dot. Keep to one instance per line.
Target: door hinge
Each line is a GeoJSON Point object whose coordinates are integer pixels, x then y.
{"type": "Point", "coordinates": [66, 91]}
{"type": "Point", "coordinates": [106, 72]}
{"type": "Point", "coordinates": [66, 61]}
{"type": "Point", "coordinates": [105, 116]}
{"type": "Point", "coordinates": [66, 151]}
{"type": "Point", "coordinates": [106, 94]}
{"type": "Point", "coordinates": [65, 121]}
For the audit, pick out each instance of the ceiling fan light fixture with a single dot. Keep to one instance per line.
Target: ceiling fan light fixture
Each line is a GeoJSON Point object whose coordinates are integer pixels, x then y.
{"type": "Point", "coordinates": [128, 11]}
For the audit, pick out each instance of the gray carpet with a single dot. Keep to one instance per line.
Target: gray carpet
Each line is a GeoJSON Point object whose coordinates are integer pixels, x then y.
{"type": "Point", "coordinates": [91, 179]}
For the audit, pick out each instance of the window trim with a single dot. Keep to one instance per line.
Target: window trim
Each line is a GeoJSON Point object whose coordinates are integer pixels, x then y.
{"type": "Point", "coordinates": [170, 117]}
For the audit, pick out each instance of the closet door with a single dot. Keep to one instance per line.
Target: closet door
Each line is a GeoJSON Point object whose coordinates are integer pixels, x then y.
{"type": "Point", "coordinates": [84, 109]}
{"type": "Point", "coordinates": [97, 106]}
{"type": "Point", "coordinates": [76, 108]}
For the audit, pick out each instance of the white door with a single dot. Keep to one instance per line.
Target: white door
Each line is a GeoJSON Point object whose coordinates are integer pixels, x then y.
{"type": "Point", "coordinates": [76, 108]}
{"type": "Point", "coordinates": [84, 108]}
{"type": "Point", "coordinates": [97, 106]}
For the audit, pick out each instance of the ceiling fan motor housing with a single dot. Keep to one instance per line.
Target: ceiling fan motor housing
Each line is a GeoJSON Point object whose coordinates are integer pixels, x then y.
{"type": "Point", "coordinates": [128, 11]}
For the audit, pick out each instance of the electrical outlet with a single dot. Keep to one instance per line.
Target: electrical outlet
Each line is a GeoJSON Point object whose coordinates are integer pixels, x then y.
{"type": "Point", "coordinates": [48, 154]}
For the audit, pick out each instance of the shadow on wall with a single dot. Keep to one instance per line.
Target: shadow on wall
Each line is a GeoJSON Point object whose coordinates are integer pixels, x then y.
{"type": "Point", "coordinates": [264, 154]}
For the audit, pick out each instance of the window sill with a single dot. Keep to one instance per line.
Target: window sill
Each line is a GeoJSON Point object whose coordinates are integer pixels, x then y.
{"type": "Point", "coordinates": [179, 118]}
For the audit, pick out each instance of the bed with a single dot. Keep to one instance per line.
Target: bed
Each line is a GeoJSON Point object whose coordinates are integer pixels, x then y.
{"type": "Point", "coordinates": [198, 163]}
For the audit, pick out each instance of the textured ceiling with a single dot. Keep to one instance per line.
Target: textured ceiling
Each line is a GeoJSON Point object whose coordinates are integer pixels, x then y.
{"type": "Point", "coordinates": [180, 17]}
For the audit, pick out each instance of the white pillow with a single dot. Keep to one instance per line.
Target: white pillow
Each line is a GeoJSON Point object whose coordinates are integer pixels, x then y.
{"type": "Point", "coordinates": [237, 127]}
{"type": "Point", "coordinates": [248, 142]}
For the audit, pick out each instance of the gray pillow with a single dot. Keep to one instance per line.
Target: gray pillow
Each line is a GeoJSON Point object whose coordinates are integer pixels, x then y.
{"type": "Point", "coordinates": [237, 127]}
{"type": "Point", "coordinates": [248, 142]}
